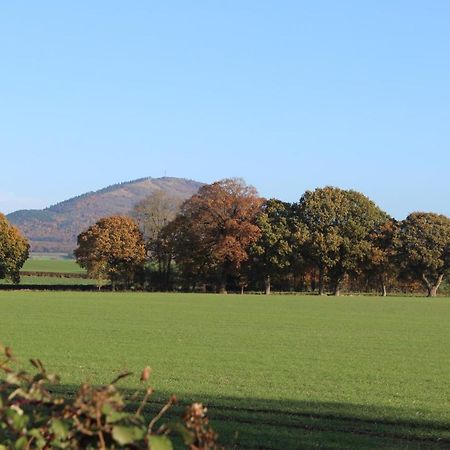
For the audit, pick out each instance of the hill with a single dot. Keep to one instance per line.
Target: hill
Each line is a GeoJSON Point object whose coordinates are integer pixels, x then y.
{"type": "Point", "coordinates": [55, 229]}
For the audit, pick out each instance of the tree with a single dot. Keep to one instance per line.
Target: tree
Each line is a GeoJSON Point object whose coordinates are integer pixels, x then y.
{"type": "Point", "coordinates": [215, 229]}
{"type": "Point", "coordinates": [338, 222]}
{"type": "Point", "coordinates": [270, 254]}
{"type": "Point", "coordinates": [14, 250]}
{"type": "Point", "coordinates": [113, 248]}
{"type": "Point", "coordinates": [382, 257]}
{"type": "Point", "coordinates": [425, 248]}
{"type": "Point", "coordinates": [153, 214]}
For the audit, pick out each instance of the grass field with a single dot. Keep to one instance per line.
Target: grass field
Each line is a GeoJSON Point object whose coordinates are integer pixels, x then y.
{"type": "Point", "coordinates": [283, 372]}
{"type": "Point", "coordinates": [52, 265]}
{"type": "Point", "coordinates": [51, 281]}
{"type": "Point", "coordinates": [55, 265]}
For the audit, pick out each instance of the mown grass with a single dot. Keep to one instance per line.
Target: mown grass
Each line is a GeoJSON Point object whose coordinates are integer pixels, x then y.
{"type": "Point", "coordinates": [281, 372]}
{"type": "Point", "coordinates": [52, 265]}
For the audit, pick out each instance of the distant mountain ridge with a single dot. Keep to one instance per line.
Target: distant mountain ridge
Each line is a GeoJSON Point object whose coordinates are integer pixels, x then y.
{"type": "Point", "coordinates": [55, 229]}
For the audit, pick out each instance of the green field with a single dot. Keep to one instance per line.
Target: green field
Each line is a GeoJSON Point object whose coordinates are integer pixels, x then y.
{"type": "Point", "coordinates": [55, 265]}
{"type": "Point", "coordinates": [52, 265]}
{"type": "Point", "coordinates": [283, 372]}
{"type": "Point", "coordinates": [51, 281]}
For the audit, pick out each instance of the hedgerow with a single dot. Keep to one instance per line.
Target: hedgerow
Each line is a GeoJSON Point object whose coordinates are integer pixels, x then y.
{"type": "Point", "coordinates": [97, 417]}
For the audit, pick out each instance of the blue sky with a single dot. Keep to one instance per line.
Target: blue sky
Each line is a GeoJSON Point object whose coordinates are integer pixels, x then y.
{"type": "Point", "coordinates": [289, 95]}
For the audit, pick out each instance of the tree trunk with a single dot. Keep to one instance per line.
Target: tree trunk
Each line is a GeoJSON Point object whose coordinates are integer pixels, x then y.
{"type": "Point", "coordinates": [313, 280]}
{"type": "Point", "coordinates": [321, 281]}
{"type": "Point", "coordinates": [337, 287]}
{"type": "Point", "coordinates": [223, 285]}
{"type": "Point", "coordinates": [168, 280]}
{"type": "Point", "coordinates": [383, 286]}
{"type": "Point", "coordinates": [267, 285]}
{"type": "Point", "coordinates": [432, 288]}
{"type": "Point", "coordinates": [242, 290]}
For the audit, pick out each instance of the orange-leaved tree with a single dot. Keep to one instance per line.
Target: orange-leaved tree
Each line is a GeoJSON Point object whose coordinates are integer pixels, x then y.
{"type": "Point", "coordinates": [214, 231]}
{"type": "Point", "coordinates": [113, 248]}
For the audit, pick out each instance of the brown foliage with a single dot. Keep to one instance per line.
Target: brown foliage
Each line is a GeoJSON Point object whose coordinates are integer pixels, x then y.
{"type": "Point", "coordinates": [215, 229]}
{"type": "Point", "coordinates": [113, 248]}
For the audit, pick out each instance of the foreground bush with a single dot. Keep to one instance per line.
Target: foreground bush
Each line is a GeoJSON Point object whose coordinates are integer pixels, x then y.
{"type": "Point", "coordinates": [32, 417]}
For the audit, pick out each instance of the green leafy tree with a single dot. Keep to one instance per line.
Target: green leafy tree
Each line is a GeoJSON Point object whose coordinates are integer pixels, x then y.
{"type": "Point", "coordinates": [382, 257]}
{"type": "Point", "coordinates": [271, 253]}
{"type": "Point", "coordinates": [338, 222]}
{"type": "Point", "coordinates": [162, 249]}
{"type": "Point", "coordinates": [190, 251]}
{"type": "Point", "coordinates": [14, 250]}
{"type": "Point", "coordinates": [425, 248]}
{"type": "Point", "coordinates": [113, 248]}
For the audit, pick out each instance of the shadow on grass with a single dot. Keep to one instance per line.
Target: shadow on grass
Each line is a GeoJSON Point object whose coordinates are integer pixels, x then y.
{"type": "Point", "coordinates": [249, 423]}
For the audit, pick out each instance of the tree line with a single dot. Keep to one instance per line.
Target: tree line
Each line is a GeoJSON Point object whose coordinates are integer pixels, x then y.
{"type": "Point", "coordinates": [226, 237]}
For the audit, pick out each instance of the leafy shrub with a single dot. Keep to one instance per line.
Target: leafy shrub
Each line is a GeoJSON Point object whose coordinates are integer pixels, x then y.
{"type": "Point", "coordinates": [32, 417]}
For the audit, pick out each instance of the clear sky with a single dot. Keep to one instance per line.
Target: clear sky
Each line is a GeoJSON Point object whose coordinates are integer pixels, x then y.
{"type": "Point", "coordinates": [289, 95]}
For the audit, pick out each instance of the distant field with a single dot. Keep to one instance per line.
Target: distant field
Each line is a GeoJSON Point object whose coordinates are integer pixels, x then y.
{"type": "Point", "coordinates": [284, 372]}
{"type": "Point", "coordinates": [51, 281]}
{"type": "Point", "coordinates": [52, 265]}
{"type": "Point", "coordinates": [49, 255]}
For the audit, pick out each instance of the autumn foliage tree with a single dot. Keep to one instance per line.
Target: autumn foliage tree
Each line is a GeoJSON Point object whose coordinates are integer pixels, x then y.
{"type": "Point", "coordinates": [425, 248]}
{"type": "Point", "coordinates": [14, 250]}
{"type": "Point", "coordinates": [113, 249]}
{"type": "Point", "coordinates": [215, 229]}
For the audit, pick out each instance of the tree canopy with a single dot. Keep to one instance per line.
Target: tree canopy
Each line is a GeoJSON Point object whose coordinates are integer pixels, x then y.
{"type": "Point", "coordinates": [227, 236]}
{"type": "Point", "coordinates": [153, 215]}
{"type": "Point", "coordinates": [425, 248]}
{"type": "Point", "coordinates": [113, 249]}
{"type": "Point", "coordinates": [14, 250]}
{"type": "Point", "coordinates": [339, 222]}
{"type": "Point", "coordinates": [382, 257]}
{"type": "Point", "coordinates": [215, 229]}
{"type": "Point", "coordinates": [271, 253]}
{"type": "Point", "coordinates": [154, 212]}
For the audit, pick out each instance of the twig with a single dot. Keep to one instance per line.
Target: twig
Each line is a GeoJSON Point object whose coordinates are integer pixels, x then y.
{"type": "Point", "coordinates": [164, 409]}
{"type": "Point", "coordinates": [144, 401]}
{"type": "Point", "coordinates": [100, 432]}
